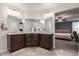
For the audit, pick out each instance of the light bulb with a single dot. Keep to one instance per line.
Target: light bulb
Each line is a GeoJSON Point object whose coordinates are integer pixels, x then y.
{"type": "Point", "coordinates": [42, 21]}
{"type": "Point", "coordinates": [23, 21]}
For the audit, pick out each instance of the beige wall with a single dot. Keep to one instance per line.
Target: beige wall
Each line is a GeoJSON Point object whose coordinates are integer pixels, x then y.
{"type": "Point", "coordinates": [3, 38]}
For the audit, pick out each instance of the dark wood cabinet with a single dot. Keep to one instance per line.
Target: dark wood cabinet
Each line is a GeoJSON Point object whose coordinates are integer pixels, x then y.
{"type": "Point", "coordinates": [18, 41]}
{"type": "Point", "coordinates": [31, 40]}
{"type": "Point", "coordinates": [35, 39]}
{"type": "Point", "coordinates": [15, 42]}
{"type": "Point", "coordinates": [28, 40]}
{"type": "Point", "coordinates": [46, 41]}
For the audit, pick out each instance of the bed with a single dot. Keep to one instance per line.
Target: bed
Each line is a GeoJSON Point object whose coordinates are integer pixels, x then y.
{"type": "Point", "coordinates": [63, 34]}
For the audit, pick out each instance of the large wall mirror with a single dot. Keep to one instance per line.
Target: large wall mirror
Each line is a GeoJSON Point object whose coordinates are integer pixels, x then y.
{"type": "Point", "coordinates": [13, 24]}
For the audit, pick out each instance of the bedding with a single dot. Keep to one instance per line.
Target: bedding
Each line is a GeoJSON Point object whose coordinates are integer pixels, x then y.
{"type": "Point", "coordinates": [63, 35]}
{"type": "Point", "coordinates": [63, 31]}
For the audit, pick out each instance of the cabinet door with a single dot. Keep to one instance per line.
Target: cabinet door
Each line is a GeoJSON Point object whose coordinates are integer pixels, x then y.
{"type": "Point", "coordinates": [28, 40]}
{"type": "Point", "coordinates": [17, 42]}
{"type": "Point", "coordinates": [31, 40]}
{"type": "Point", "coordinates": [13, 43]}
{"type": "Point", "coordinates": [34, 39]}
{"type": "Point", "coordinates": [45, 41]}
{"type": "Point", "coordinates": [21, 41]}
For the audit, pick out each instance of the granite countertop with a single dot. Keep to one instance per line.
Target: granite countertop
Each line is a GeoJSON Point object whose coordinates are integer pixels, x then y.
{"type": "Point", "coordinates": [13, 33]}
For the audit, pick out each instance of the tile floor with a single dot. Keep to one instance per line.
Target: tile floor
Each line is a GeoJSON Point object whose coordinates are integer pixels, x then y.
{"type": "Point", "coordinates": [63, 48]}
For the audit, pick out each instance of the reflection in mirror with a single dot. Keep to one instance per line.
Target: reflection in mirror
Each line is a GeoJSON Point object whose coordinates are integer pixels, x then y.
{"type": "Point", "coordinates": [20, 26]}
{"type": "Point", "coordinates": [13, 23]}
{"type": "Point", "coordinates": [38, 26]}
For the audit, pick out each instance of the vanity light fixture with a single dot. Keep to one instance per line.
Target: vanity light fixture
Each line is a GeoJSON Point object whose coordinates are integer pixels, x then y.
{"type": "Point", "coordinates": [47, 15]}
{"type": "Point", "coordinates": [60, 20]}
{"type": "Point", "coordinates": [13, 12]}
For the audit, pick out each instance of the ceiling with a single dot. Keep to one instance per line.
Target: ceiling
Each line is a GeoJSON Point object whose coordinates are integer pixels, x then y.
{"type": "Point", "coordinates": [68, 15]}
{"type": "Point", "coordinates": [68, 12]}
{"type": "Point", "coordinates": [31, 7]}
{"type": "Point", "coordinates": [40, 7]}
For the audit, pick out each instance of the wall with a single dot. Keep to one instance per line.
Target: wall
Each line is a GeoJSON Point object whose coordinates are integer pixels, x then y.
{"type": "Point", "coordinates": [3, 38]}
{"type": "Point", "coordinates": [73, 19]}
{"type": "Point", "coordinates": [49, 25]}
{"type": "Point", "coordinates": [63, 26]}
{"type": "Point", "coordinates": [3, 41]}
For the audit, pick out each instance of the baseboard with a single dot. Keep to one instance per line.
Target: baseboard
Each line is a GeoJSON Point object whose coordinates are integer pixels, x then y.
{"type": "Point", "coordinates": [1, 51]}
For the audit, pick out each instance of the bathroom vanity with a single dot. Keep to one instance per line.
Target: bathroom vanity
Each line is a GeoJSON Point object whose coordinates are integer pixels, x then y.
{"type": "Point", "coordinates": [29, 33]}
{"type": "Point", "coordinates": [17, 41]}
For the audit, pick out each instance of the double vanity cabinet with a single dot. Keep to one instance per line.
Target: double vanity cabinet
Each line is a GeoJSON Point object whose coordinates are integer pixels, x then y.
{"type": "Point", "coordinates": [19, 41]}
